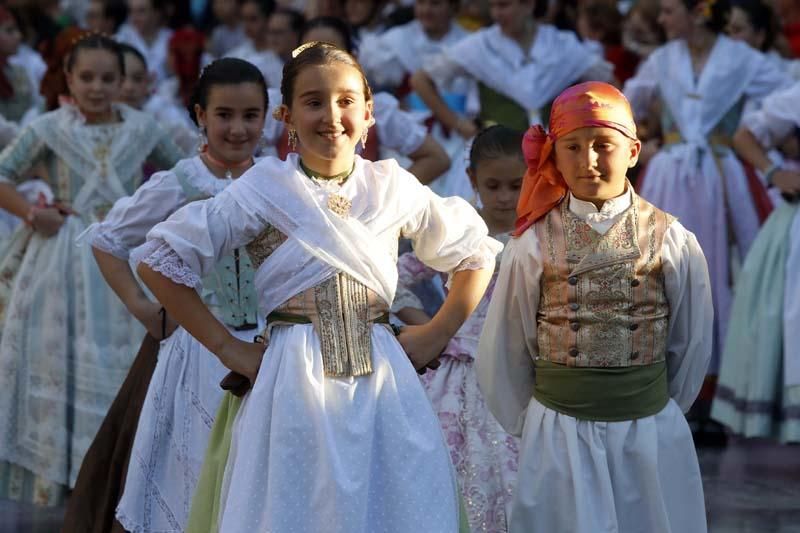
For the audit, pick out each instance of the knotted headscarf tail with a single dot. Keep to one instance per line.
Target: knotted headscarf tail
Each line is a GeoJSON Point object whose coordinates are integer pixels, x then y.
{"type": "Point", "coordinates": [586, 105]}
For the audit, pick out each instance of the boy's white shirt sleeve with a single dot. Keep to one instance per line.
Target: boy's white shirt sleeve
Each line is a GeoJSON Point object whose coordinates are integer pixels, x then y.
{"type": "Point", "coordinates": [691, 316]}
{"type": "Point", "coordinates": [508, 343]}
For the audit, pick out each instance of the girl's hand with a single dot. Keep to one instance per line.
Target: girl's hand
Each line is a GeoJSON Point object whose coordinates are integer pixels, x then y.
{"type": "Point", "coordinates": [46, 220]}
{"type": "Point", "coordinates": [242, 357]}
{"type": "Point", "coordinates": [423, 345]}
{"type": "Point", "coordinates": [787, 181]}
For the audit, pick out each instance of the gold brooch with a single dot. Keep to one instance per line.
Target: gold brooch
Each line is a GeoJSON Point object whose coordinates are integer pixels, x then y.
{"type": "Point", "coordinates": [339, 204]}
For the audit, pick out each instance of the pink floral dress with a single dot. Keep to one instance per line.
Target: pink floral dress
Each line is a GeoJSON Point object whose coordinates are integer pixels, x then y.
{"type": "Point", "coordinates": [484, 455]}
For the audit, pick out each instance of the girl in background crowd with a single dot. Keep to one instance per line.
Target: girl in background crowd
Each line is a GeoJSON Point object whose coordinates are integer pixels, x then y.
{"type": "Point", "coordinates": [701, 81]}
{"type": "Point", "coordinates": [753, 22]}
{"type": "Point", "coordinates": [484, 455]}
{"type": "Point", "coordinates": [66, 340]}
{"type": "Point", "coordinates": [146, 31]}
{"type": "Point", "coordinates": [177, 409]}
{"type": "Point", "coordinates": [641, 32]}
{"type": "Point", "coordinates": [284, 30]}
{"type": "Point", "coordinates": [395, 55]}
{"type": "Point", "coordinates": [758, 394]}
{"type": "Point", "coordinates": [19, 100]}
{"type": "Point", "coordinates": [256, 50]}
{"type": "Point", "coordinates": [228, 34]}
{"type": "Point", "coordinates": [520, 66]}
{"type": "Point", "coordinates": [336, 419]}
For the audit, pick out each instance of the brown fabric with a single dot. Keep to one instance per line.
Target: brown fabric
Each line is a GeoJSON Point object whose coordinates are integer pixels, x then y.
{"type": "Point", "coordinates": [100, 482]}
{"type": "Point", "coordinates": [603, 302]}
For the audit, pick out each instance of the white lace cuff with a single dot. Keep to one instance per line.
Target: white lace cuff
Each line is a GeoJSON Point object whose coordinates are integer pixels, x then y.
{"type": "Point", "coordinates": [484, 257]}
{"type": "Point", "coordinates": [159, 256]}
{"type": "Point", "coordinates": [105, 242]}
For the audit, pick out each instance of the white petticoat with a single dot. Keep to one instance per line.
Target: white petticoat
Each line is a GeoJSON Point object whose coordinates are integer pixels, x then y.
{"type": "Point", "coordinates": [172, 435]}
{"type": "Point", "coordinates": [579, 476]}
{"type": "Point", "coordinates": [312, 453]}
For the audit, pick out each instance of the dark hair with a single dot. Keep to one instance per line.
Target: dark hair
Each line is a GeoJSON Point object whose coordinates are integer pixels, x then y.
{"type": "Point", "coordinates": [265, 7]}
{"type": "Point", "coordinates": [225, 71]}
{"type": "Point", "coordinates": [95, 41]}
{"type": "Point", "coordinates": [719, 13]}
{"type": "Point", "coordinates": [495, 142]}
{"type": "Point", "coordinates": [336, 24]}
{"type": "Point", "coordinates": [296, 19]}
{"type": "Point", "coordinates": [761, 18]}
{"type": "Point", "coordinates": [125, 48]}
{"type": "Point", "coordinates": [317, 54]}
{"type": "Point", "coordinates": [605, 17]}
{"type": "Point", "coordinates": [116, 11]}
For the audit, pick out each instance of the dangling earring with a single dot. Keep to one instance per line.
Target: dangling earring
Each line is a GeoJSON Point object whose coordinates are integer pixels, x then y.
{"type": "Point", "coordinates": [364, 137]}
{"type": "Point", "coordinates": [202, 139]}
{"type": "Point", "coordinates": [293, 139]}
{"type": "Point", "coordinates": [261, 144]}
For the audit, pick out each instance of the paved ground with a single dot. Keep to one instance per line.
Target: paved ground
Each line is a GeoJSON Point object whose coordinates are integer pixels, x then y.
{"type": "Point", "coordinates": [751, 487]}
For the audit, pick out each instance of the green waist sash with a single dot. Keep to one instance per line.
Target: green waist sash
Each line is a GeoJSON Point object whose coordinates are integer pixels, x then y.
{"type": "Point", "coordinates": [602, 394]}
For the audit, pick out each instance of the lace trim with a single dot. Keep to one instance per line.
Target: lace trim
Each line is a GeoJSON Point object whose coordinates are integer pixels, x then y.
{"type": "Point", "coordinates": [106, 243]}
{"type": "Point", "coordinates": [484, 257]}
{"type": "Point", "coordinates": [160, 256]}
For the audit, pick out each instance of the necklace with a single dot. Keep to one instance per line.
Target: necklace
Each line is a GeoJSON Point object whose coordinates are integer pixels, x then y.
{"type": "Point", "coordinates": [336, 202]}
{"type": "Point", "coordinates": [228, 168]}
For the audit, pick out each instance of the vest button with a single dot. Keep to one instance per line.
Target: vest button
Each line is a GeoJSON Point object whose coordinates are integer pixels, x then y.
{"type": "Point", "coordinates": [635, 283]}
{"type": "Point", "coordinates": [634, 355]}
{"type": "Point", "coordinates": [574, 306]}
{"type": "Point", "coordinates": [573, 352]}
{"type": "Point", "coordinates": [633, 327]}
{"type": "Point", "coordinates": [572, 280]}
{"type": "Point", "coordinates": [574, 326]}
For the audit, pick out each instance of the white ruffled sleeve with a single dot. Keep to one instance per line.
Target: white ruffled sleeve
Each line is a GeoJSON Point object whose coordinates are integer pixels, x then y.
{"type": "Point", "coordinates": [128, 222]}
{"type": "Point", "coordinates": [380, 62]}
{"type": "Point", "coordinates": [689, 337]}
{"type": "Point", "coordinates": [448, 234]}
{"type": "Point", "coordinates": [508, 342]}
{"type": "Point", "coordinates": [397, 129]}
{"type": "Point", "coordinates": [778, 115]}
{"type": "Point", "coordinates": [198, 235]}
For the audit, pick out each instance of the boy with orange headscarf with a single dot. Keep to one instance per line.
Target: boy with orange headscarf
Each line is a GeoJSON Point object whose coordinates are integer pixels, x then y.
{"type": "Point", "coordinates": [598, 334]}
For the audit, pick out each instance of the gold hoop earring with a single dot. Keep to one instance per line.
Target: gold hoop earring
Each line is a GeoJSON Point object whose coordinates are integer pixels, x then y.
{"type": "Point", "coordinates": [293, 139]}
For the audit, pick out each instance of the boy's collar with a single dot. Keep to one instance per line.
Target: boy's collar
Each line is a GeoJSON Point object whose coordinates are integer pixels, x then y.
{"type": "Point", "coordinates": [611, 208]}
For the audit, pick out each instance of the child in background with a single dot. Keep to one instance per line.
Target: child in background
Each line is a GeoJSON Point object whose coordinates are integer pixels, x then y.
{"type": "Point", "coordinates": [602, 313]}
{"type": "Point", "coordinates": [56, 311]}
{"type": "Point", "coordinates": [759, 396]}
{"type": "Point", "coordinates": [159, 469]}
{"type": "Point", "coordinates": [484, 455]}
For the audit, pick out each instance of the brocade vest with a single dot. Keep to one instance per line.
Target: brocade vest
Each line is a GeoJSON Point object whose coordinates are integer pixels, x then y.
{"type": "Point", "coordinates": [229, 287]}
{"type": "Point", "coordinates": [602, 300]}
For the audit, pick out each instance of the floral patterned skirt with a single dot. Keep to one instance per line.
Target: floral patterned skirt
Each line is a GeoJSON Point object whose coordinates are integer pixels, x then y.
{"type": "Point", "coordinates": [484, 455]}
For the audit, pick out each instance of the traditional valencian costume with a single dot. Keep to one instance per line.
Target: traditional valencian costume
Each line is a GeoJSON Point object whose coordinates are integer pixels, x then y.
{"type": "Point", "coordinates": [66, 340]}
{"type": "Point", "coordinates": [337, 433]}
{"type": "Point", "coordinates": [484, 455]}
{"type": "Point", "coordinates": [696, 176]}
{"type": "Point", "coordinates": [758, 394]}
{"type": "Point", "coordinates": [174, 387]}
{"type": "Point", "coordinates": [596, 340]}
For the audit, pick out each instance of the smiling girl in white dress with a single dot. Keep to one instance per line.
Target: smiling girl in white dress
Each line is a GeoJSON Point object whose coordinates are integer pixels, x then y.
{"type": "Point", "coordinates": [336, 433]}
